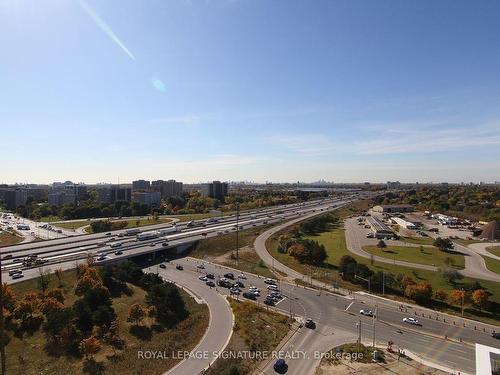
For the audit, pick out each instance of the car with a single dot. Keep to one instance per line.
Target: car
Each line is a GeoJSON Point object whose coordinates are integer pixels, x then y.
{"type": "Point", "coordinates": [242, 276]}
{"type": "Point", "coordinates": [203, 278]}
{"type": "Point", "coordinates": [254, 288]}
{"type": "Point", "coordinates": [210, 283]}
{"type": "Point", "coordinates": [269, 302]}
{"type": "Point", "coordinates": [229, 275]}
{"type": "Point", "coordinates": [272, 287]}
{"type": "Point", "coordinates": [200, 266]}
{"type": "Point", "coordinates": [411, 320]}
{"type": "Point", "coordinates": [309, 323]}
{"type": "Point", "coordinates": [119, 252]}
{"type": "Point", "coordinates": [108, 234]}
{"type": "Point", "coordinates": [210, 276]}
{"type": "Point", "coordinates": [249, 295]}
{"type": "Point", "coordinates": [17, 276]}
{"type": "Point", "coordinates": [256, 293]}
{"type": "Point", "coordinates": [366, 312]}
{"type": "Point", "coordinates": [276, 294]}
{"type": "Point", "coordinates": [101, 257]}
{"type": "Point", "coordinates": [179, 267]}
{"type": "Point", "coordinates": [270, 281]}
{"type": "Point", "coordinates": [164, 244]}
{"type": "Point", "coordinates": [280, 366]}
{"type": "Point", "coordinates": [370, 235]}
{"type": "Point", "coordinates": [8, 256]}
{"type": "Point", "coordinates": [496, 335]}
{"type": "Point", "coordinates": [235, 291]}
{"type": "Point", "coordinates": [239, 284]}
{"type": "Point", "coordinates": [163, 266]}
{"type": "Point", "coordinates": [14, 272]}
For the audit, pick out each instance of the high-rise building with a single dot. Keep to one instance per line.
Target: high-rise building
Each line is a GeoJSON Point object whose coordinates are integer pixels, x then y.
{"type": "Point", "coordinates": [151, 198]}
{"type": "Point", "coordinates": [60, 198]}
{"type": "Point", "coordinates": [141, 185]}
{"type": "Point", "coordinates": [215, 189]}
{"type": "Point", "coordinates": [111, 194]}
{"type": "Point", "coordinates": [13, 197]}
{"type": "Point", "coordinates": [168, 188]}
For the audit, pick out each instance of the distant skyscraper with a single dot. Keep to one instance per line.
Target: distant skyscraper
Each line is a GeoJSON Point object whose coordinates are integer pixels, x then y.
{"type": "Point", "coordinates": [168, 188]}
{"type": "Point", "coordinates": [114, 193]}
{"type": "Point", "coordinates": [141, 185]}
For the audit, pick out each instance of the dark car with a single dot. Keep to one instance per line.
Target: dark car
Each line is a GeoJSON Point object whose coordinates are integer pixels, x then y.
{"type": "Point", "coordinates": [165, 244]}
{"type": "Point", "coordinates": [309, 323]}
{"type": "Point", "coordinates": [229, 276]}
{"type": "Point", "coordinates": [496, 335]}
{"type": "Point", "coordinates": [280, 366]}
{"type": "Point", "coordinates": [269, 302]}
{"type": "Point", "coordinates": [179, 267]}
{"type": "Point", "coordinates": [163, 266]}
{"type": "Point", "coordinates": [249, 295]}
{"type": "Point", "coordinates": [210, 276]}
{"type": "Point", "coordinates": [108, 234]}
{"type": "Point", "coordinates": [210, 283]}
{"type": "Point", "coordinates": [239, 284]}
{"type": "Point", "coordinates": [119, 252]}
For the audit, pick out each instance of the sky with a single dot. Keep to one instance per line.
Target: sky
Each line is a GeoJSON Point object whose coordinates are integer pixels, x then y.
{"type": "Point", "coordinates": [255, 90]}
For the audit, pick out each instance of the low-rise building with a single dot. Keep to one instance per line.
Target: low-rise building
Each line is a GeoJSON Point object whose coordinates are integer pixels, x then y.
{"type": "Point", "coordinates": [380, 229]}
{"type": "Point", "coordinates": [392, 208]}
{"type": "Point", "coordinates": [405, 223]}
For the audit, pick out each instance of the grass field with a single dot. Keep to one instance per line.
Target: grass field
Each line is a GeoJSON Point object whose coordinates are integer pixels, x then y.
{"type": "Point", "coordinates": [132, 223]}
{"type": "Point", "coordinates": [7, 239]}
{"type": "Point", "coordinates": [495, 250]}
{"type": "Point", "coordinates": [335, 245]}
{"type": "Point", "coordinates": [249, 262]}
{"type": "Point", "coordinates": [27, 355]}
{"type": "Point", "coordinates": [428, 255]}
{"type": "Point", "coordinates": [216, 246]}
{"type": "Point", "coordinates": [255, 329]}
{"type": "Point", "coordinates": [492, 264]}
{"type": "Point", "coordinates": [418, 240]}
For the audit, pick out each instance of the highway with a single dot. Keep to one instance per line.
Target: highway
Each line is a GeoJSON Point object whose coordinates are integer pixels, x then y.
{"type": "Point", "coordinates": [435, 340]}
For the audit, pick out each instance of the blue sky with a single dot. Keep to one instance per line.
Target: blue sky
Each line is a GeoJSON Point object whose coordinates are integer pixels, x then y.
{"type": "Point", "coordinates": [282, 90]}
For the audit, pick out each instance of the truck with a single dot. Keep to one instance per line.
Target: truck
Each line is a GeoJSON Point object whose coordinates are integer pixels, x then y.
{"type": "Point", "coordinates": [168, 230]}
{"type": "Point", "coordinates": [147, 235]}
{"type": "Point", "coordinates": [132, 231]}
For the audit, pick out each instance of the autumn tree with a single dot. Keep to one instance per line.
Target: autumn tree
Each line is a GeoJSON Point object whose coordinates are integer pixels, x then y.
{"type": "Point", "coordinates": [57, 294]}
{"type": "Point", "coordinates": [90, 347]}
{"type": "Point", "coordinates": [9, 298]}
{"type": "Point", "coordinates": [457, 296]}
{"type": "Point", "coordinates": [136, 314]}
{"type": "Point", "coordinates": [480, 297]}
{"type": "Point", "coordinates": [49, 305]}
{"type": "Point", "coordinates": [441, 295]}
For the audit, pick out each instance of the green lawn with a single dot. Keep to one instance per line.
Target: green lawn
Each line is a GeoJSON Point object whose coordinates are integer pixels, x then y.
{"type": "Point", "coordinates": [26, 355]}
{"type": "Point", "coordinates": [495, 250]}
{"type": "Point", "coordinates": [8, 239]}
{"type": "Point", "coordinates": [132, 223]}
{"type": "Point", "coordinates": [249, 262]}
{"type": "Point", "coordinates": [492, 264]}
{"type": "Point", "coordinates": [418, 240]}
{"type": "Point", "coordinates": [335, 245]}
{"type": "Point", "coordinates": [429, 255]}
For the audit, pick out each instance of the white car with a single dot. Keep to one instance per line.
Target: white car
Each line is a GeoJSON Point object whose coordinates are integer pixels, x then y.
{"type": "Point", "coordinates": [203, 278]}
{"type": "Point", "coordinates": [270, 281]}
{"type": "Point", "coordinates": [366, 312]}
{"type": "Point", "coordinates": [241, 276]}
{"type": "Point", "coordinates": [272, 287]}
{"type": "Point", "coordinates": [411, 321]}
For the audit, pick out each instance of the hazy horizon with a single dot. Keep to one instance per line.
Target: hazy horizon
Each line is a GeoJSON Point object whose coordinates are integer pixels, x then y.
{"type": "Point", "coordinates": [250, 90]}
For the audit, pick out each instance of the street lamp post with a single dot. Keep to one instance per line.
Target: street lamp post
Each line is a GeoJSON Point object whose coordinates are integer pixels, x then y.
{"type": "Point", "coordinates": [2, 332]}
{"type": "Point", "coordinates": [374, 318]}
{"type": "Point", "coordinates": [237, 230]}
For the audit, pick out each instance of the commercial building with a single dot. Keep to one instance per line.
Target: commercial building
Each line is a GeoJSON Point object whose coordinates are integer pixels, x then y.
{"type": "Point", "coordinates": [380, 229]}
{"type": "Point", "coordinates": [63, 193]}
{"type": "Point", "coordinates": [151, 198]}
{"type": "Point", "coordinates": [392, 208]}
{"type": "Point", "coordinates": [114, 193]}
{"type": "Point", "coordinates": [141, 185]}
{"type": "Point", "coordinates": [405, 223]}
{"type": "Point", "coordinates": [216, 189]}
{"type": "Point", "coordinates": [170, 188]}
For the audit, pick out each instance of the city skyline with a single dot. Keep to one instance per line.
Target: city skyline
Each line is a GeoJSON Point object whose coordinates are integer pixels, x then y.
{"type": "Point", "coordinates": [239, 90]}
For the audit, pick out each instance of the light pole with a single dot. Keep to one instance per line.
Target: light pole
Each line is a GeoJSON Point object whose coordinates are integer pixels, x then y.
{"type": "Point", "coordinates": [374, 318]}
{"type": "Point", "coordinates": [237, 230]}
{"type": "Point", "coordinates": [358, 324]}
{"type": "Point", "coordinates": [2, 340]}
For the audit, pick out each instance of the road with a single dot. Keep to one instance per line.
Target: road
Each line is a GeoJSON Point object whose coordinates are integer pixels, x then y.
{"type": "Point", "coordinates": [474, 263]}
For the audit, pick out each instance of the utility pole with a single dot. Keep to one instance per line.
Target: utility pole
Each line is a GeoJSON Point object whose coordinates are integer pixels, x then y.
{"type": "Point", "coordinates": [359, 335]}
{"type": "Point", "coordinates": [383, 283]}
{"type": "Point", "coordinates": [237, 230]}
{"type": "Point", "coordinates": [462, 300]}
{"type": "Point", "coordinates": [374, 318]}
{"type": "Point", "coordinates": [2, 332]}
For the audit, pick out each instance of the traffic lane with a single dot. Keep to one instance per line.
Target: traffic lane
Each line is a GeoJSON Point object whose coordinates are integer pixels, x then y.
{"type": "Point", "coordinates": [220, 325]}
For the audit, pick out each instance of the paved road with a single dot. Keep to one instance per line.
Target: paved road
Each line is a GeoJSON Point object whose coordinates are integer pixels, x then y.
{"type": "Point", "coordinates": [475, 266]}
{"type": "Point", "coordinates": [480, 248]}
{"type": "Point", "coordinates": [220, 326]}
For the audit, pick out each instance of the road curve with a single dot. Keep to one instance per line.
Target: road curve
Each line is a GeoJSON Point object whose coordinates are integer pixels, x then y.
{"type": "Point", "coordinates": [220, 326]}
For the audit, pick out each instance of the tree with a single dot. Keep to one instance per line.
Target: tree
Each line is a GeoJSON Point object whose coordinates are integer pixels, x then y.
{"type": "Point", "coordinates": [381, 244]}
{"type": "Point", "coordinates": [50, 304]}
{"type": "Point", "coordinates": [443, 244]}
{"type": "Point", "coordinates": [441, 295]}
{"type": "Point", "coordinates": [57, 294]}
{"type": "Point", "coordinates": [9, 298]}
{"type": "Point", "coordinates": [458, 296]}
{"type": "Point", "coordinates": [420, 293]}
{"type": "Point", "coordinates": [480, 297]}
{"type": "Point", "coordinates": [169, 305]}
{"type": "Point", "coordinates": [450, 274]}
{"type": "Point", "coordinates": [89, 347]}
{"type": "Point", "coordinates": [59, 275]}
{"type": "Point", "coordinates": [136, 314]}
{"type": "Point", "coordinates": [56, 321]}
{"type": "Point", "coordinates": [43, 280]}
{"type": "Point", "coordinates": [298, 251]}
